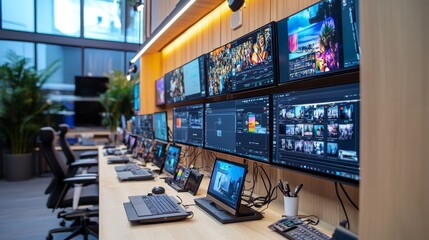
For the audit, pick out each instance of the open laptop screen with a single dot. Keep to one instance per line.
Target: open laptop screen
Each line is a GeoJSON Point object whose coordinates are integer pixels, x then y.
{"type": "Point", "coordinates": [172, 159]}
{"type": "Point", "coordinates": [226, 184]}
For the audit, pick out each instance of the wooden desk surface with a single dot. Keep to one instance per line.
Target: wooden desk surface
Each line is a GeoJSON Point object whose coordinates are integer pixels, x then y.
{"type": "Point", "coordinates": [115, 225]}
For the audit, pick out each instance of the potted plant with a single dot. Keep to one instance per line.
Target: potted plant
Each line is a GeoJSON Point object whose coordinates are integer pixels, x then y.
{"type": "Point", "coordinates": [117, 100]}
{"type": "Point", "coordinates": [22, 113]}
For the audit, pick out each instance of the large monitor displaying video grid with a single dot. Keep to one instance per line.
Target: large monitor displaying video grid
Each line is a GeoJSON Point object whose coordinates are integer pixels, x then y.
{"type": "Point", "coordinates": [187, 82]}
{"type": "Point", "coordinates": [188, 125]}
{"type": "Point", "coordinates": [320, 39]}
{"type": "Point", "coordinates": [239, 127]}
{"type": "Point", "coordinates": [243, 64]}
{"type": "Point", "coordinates": [317, 131]}
{"type": "Point", "coordinates": [146, 125]}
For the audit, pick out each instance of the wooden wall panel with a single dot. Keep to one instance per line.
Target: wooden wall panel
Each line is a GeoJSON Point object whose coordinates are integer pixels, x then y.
{"type": "Point", "coordinates": [395, 98]}
{"type": "Point", "coordinates": [318, 195]}
{"type": "Point", "coordinates": [160, 10]}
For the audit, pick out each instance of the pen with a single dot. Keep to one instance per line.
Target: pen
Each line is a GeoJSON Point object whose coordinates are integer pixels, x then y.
{"type": "Point", "coordinates": [297, 189]}
{"type": "Point", "coordinates": [287, 188]}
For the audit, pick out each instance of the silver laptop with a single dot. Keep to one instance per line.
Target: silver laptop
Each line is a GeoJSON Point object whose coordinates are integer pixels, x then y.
{"type": "Point", "coordinates": [154, 209]}
{"type": "Point", "coordinates": [138, 174]}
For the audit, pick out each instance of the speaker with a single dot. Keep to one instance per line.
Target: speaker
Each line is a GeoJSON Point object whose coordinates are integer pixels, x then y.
{"type": "Point", "coordinates": [236, 20]}
{"type": "Point", "coordinates": [234, 5]}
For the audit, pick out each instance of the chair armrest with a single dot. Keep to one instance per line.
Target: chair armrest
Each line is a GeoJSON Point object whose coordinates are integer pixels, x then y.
{"type": "Point", "coordinates": [86, 175]}
{"type": "Point", "coordinates": [80, 180]}
{"type": "Point", "coordinates": [89, 154]}
{"type": "Point", "coordinates": [85, 163]}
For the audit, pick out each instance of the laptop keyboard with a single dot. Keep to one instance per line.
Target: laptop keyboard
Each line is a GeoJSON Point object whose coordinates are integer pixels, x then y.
{"type": "Point", "coordinates": [160, 204]}
{"type": "Point", "coordinates": [139, 172]}
{"type": "Point", "coordinates": [132, 167]}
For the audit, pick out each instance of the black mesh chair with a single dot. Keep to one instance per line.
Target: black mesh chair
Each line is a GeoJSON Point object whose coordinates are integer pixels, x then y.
{"type": "Point", "coordinates": [63, 129]}
{"type": "Point", "coordinates": [69, 193]}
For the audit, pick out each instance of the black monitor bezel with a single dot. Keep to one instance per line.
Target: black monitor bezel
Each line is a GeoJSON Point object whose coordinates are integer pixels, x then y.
{"type": "Point", "coordinates": [174, 122]}
{"type": "Point", "coordinates": [177, 162]}
{"type": "Point", "coordinates": [166, 125]}
{"type": "Point", "coordinates": [309, 172]}
{"type": "Point", "coordinates": [239, 155]}
{"type": "Point", "coordinates": [341, 71]}
{"type": "Point", "coordinates": [204, 76]}
{"type": "Point", "coordinates": [218, 201]}
{"type": "Point", "coordinates": [274, 55]}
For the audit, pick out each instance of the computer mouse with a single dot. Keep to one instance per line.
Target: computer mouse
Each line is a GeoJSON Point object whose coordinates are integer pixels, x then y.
{"type": "Point", "coordinates": [158, 190]}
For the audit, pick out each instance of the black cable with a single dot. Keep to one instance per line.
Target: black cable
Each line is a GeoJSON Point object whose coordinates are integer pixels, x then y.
{"type": "Point", "coordinates": [348, 197]}
{"type": "Point", "coordinates": [342, 205]}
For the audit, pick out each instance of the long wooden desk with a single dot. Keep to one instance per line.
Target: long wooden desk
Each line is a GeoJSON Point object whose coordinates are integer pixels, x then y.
{"type": "Point", "coordinates": [115, 225]}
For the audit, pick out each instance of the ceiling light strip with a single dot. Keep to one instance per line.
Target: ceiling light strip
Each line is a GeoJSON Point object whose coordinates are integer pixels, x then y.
{"type": "Point", "coordinates": [163, 29]}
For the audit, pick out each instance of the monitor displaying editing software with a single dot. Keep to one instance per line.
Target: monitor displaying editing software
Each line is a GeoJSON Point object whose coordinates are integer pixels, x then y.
{"type": "Point", "coordinates": [188, 125]}
{"type": "Point", "coordinates": [146, 125]}
{"type": "Point", "coordinates": [172, 159]}
{"type": "Point", "coordinates": [320, 39]}
{"type": "Point", "coordinates": [187, 82]}
{"type": "Point", "coordinates": [240, 127]}
{"type": "Point", "coordinates": [226, 184]}
{"type": "Point", "coordinates": [317, 131]}
{"type": "Point", "coordinates": [160, 126]}
{"type": "Point", "coordinates": [245, 63]}
{"type": "Point", "coordinates": [159, 154]}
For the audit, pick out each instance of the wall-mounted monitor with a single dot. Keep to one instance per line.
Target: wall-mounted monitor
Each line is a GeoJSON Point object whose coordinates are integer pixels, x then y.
{"type": "Point", "coordinates": [240, 127]}
{"type": "Point", "coordinates": [160, 127]}
{"type": "Point", "coordinates": [187, 82]}
{"type": "Point", "coordinates": [245, 63]}
{"type": "Point", "coordinates": [160, 92]}
{"type": "Point", "coordinates": [317, 131]}
{"type": "Point", "coordinates": [320, 39]}
{"type": "Point", "coordinates": [137, 96]}
{"type": "Point", "coordinates": [146, 125]}
{"type": "Point", "coordinates": [188, 125]}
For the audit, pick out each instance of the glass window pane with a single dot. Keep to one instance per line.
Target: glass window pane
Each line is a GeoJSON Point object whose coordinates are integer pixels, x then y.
{"type": "Point", "coordinates": [22, 19]}
{"type": "Point", "coordinates": [104, 20]}
{"type": "Point", "coordinates": [59, 17]}
{"type": "Point", "coordinates": [25, 49]}
{"type": "Point", "coordinates": [135, 24]}
{"type": "Point", "coordinates": [101, 62]}
{"type": "Point", "coordinates": [70, 64]}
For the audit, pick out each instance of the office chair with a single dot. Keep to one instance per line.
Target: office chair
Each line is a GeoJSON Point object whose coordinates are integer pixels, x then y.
{"type": "Point", "coordinates": [70, 191]}
{"type": "Point", "coordinates": [64, 128]}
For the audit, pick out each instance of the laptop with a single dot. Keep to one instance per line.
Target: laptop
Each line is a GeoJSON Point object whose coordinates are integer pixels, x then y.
{"type": "Point", "coordinates": [223, 200]}
{"type": "Point", "coordinates": [140, 174]}
{"type": "Point", "coordinates": [118, 159]}
{"type": "Point", "coordinates": [154, 209]}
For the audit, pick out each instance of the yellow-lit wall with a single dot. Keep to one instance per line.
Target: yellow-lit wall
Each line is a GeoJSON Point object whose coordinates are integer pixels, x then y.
{"type": "Point", "coordinates": [318, 195]}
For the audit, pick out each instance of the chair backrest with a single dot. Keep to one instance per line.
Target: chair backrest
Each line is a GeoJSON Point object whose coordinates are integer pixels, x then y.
{"type": "Point", "coordinates": [57, 166]}
{"type": "Point", "coordinates": [64, 128]}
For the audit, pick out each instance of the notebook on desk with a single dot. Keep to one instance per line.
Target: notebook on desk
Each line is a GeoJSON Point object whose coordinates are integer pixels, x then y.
{"type": "Point", "coordinates": [154, 209]}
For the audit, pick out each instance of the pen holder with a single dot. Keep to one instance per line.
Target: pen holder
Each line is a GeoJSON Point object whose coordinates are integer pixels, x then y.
{"type": "Point", "coordinates": [291, 206]}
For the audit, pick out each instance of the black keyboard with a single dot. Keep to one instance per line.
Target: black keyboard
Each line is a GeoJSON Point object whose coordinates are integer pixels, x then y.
{"type": "Point", "coordinates": [139, 171]}
{"type": "Point", "coordinates": [160, 204]}
{"type": "Point", "coordinates": [294, 229]}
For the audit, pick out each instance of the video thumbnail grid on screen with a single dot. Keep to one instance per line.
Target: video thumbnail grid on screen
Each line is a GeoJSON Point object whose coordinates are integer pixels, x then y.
{"type": "Point", "coordinates": [318, 130]}
{"type": "Point", "coordinates": [240, 127]}
{"type": "Point", "coordinates": [245, 63]}
{"type": "Point", "coordinates": [146, 125]}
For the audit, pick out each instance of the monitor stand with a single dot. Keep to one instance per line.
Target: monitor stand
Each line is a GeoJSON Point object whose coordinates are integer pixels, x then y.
{"type": "Point", "coordinates": [245, 213]}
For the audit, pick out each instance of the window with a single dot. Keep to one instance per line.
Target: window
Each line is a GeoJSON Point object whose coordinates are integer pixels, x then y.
{"type": "Point", "coordinates": [70, 64]}
{"type": "Point", "coordinates": [59, 17]}
{"type": "Point", "coordinates": [99, 62]}
{"type": "Point", "coordinates": [104, 20]}
{"type": "Point", "coordinates": [22, 20]}
{"type": "Point", "coordinates": [134, 25]}
{"type": "Point", "coordinates": [25, 49]}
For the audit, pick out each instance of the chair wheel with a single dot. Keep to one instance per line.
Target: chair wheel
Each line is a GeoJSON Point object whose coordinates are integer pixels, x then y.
{"type": "Point", "coordinates": [49, 237]}
{"type": "Point", "coordinates": [62, 223]}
